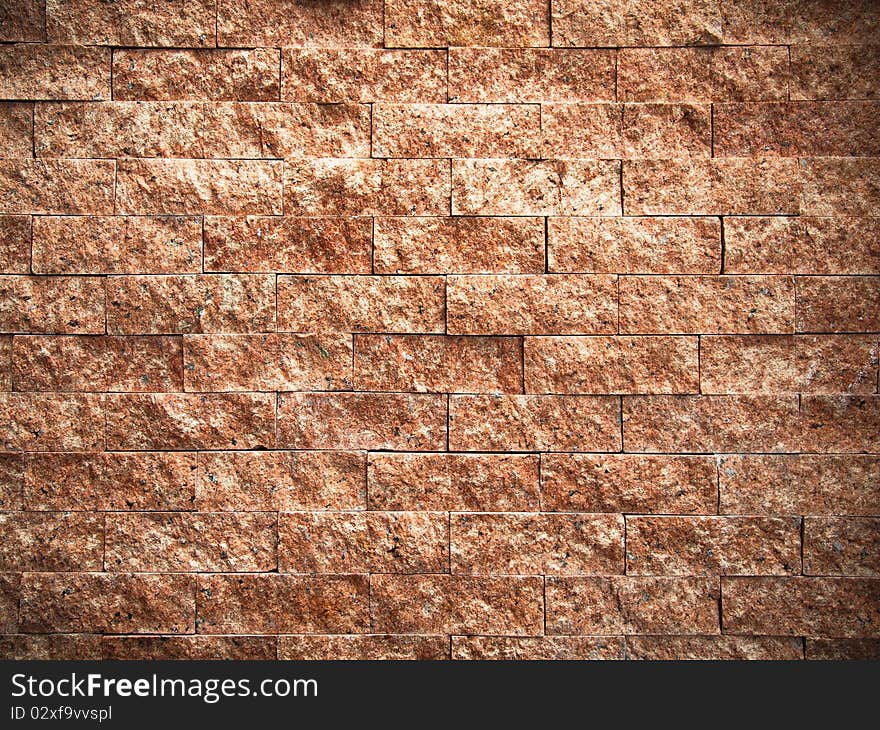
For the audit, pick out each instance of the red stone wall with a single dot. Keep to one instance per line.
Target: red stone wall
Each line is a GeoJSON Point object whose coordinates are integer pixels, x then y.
{"type": "Point", "coordinates": [465, 329]}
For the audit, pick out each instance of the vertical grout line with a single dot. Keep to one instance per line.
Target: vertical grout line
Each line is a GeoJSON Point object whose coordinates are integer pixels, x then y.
{"type": "Point", "coordinates": [723, 243]}
{"type": "Point", "coordinates": [546, 244]}
{"type": "Point", "coordinates": [803, 532]}
{"type": "Point", "coordinates": [447, 73]}
{"type": "Point", "coordinates": [712, 130]}
{"type": "Point", "coordinates": [372, 244]}
{"type": "Point", "coordinates": [700, 364]}
{"type": "Point", "coordinates": [622, 443]}
{"type": "Point", "coordinates": [522, 363]}
{"type": "Point", "coordinates": [448, 399]}
{"type": "Point", "coordinates": [622, 194]}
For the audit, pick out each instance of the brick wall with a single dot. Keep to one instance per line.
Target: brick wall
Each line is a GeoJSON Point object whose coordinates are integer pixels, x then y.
{"type": "Point", "coordinates": [432, 329]}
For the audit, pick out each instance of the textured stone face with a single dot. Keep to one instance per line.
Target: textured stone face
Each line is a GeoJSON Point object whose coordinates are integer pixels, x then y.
{"type": "Point", "coordinates": [842, 546]}
{"type": "Point", "coordinates": [29, 71]}
{"type": "Point", "coordinates": [77, 187]}
{"type": "Point", "coordinates": [194, 648]}
{"type": "Point", "coordinates": [365, 646]}
{"type": "Point", "coordinates": [835, 72]}
{"type": "Point", "coordinates": [49, 541]}
{"type": "Point", "coordinates": [838, 304]}
{"type": "Point", "coordinates": [713, 648]}
{"type": "Point", "coordinates": [50, 422]}
{"type": "Point", "coordinates": [15, 244]}
{"type": "Point", "coordinates": [537, 648]}
{"type": "Point", "coordinates": [56, 305]}
{"type": "Point", "coordinates": [16, 129]}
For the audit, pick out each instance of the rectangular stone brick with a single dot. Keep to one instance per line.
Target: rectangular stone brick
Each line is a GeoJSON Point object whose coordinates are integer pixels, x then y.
{"type": "Point", "coordinates": [536, 187]}
{"type": "Point", "coordinates": [366, 187]}
{"type": "Point", "coordinates": [835, 72]}
{"type": "Point", "coordinates": [52, 647]}
{"type": "Point", "coordinates": [10, 592]}
{"type": "Point", "coordinates": [840, 186]}
{"type": "Point", "coordinates": [82, 363]}
{"type": "Point", "coordinates": [711, 423]}
{"type": "Point", "coordinates": [362, 303]}
{"type": "Point", "coordinates": [179, 422]}
{"type": "Point", "coordinates": [832, 607]}
{"type": "Point", "coordinates": [789, 363]}
{"type": "Point", "coordinates": [363, 74]}
{"type": "Point", "coordinates": [208, 304]}
{"type": "Point", "coordinates": [51, 422]}
{"type": "Point", "coordinates": [220, 363]}
{"type": "Point", "coordinates": [438, 364]}
{"type": "Point", "coordinates": [601, 365]}
{"type": "Point", "coordinates": [799, 485]}
{"type": "Point", "coordinates": [51, 541]}
{"type": "Point", "coordinates": [827, 21]}
{"type": "Point", "coordinates": [432, 23]}
{"type": "Point", "coordinates": [732, 186]}
{"type": "Point", "coordinates": [713, 545]}
{"type": "Point", "coordinates": [282, 604]}
{"type": "Point", "coordinates": [12, 481]}
{"type": "Point", "coordinates": [331, 24]}
{"type": "Point", "coordinates": [181, 542]}
{"type": "Point", "coordinates": [362, 647]}
{"type": "Point", "coordinates": [540, 648]}
{"type": "Point", "coordinates": [456, 130]}
{"type": "Point", "coordinates": [838, 303]}
{"type": "Point", "coordinates": [209, 75]}
{"type": "Point", "coordinates": [840, 423]}
{"type": "Point", "coordinates": [281, 480]}
{"type": "Point", "coordinates": [306, 245]}
{"type": "Point", "coordinates": [23, 20]}
{"type": "Point", "coordinates": [510, 75]}
{"type": "Point", "coordinates": [30, 71]}
{"type": "Point", "coordinates": [534, 423]}
{"type": "Point", "coordinates": [80, 187]}
{"type": "Point", "coordinates": [388, 421]}
{"type": "Point", "coordinates": [459, 482]}
{"type": "Point", "coordinates": [15, 244]}
{"type": "Point", "coordinates": [459, 245]}
{"type": "Point", "coordinates": [56, 305]}
{"type": "Point", "coordinates": [836, 649]}
{"type": "Point", "coordinates": [842, 546]}
{"type": "Point", "coordinates": [194, 129]}
{"type": "Point", "coordinates": [801, 245]}
{"type": "Point", "coordinates": [363, 542]}
{"type": "Point", "coordinates": [631, 605]}
{"type": "Point", "coordinates": [116, 482]}
{"type": "Point", "coordinates": [107, 603]}
{"type": "Point", "coordinates": [707, 304]}
{"type": "Point", "coordinates": [642, 131]}
{"type": "Point", "coordinates": [715, 73]}
{"type": "Point", "coordinates": [628, 483]}
{"type": "Point", "coordinates": [524, 544]}
{"type": "Point", "coordinates": [16, 130]}
{"type": "Point", "coordinates": [116, 245]}
{"type": "Point", "coordinates": [685, 245]}
{"type": "Point", "coordinates": [132, 23]}
{"type": "Point", "coordinates": [789, 129]}
{"type": "Point", "coordinates": [453, 604]}
{"type": "Point", "coordinates": [189, 648]}
{"type": "Point", "coordinates": [5, 363]}
{"type": "Point", "coordinates": [714, 648]}
{"type": "Point", "coordinates": [531, 305]}
{"type": "Point", "coordinates": [193, 187]}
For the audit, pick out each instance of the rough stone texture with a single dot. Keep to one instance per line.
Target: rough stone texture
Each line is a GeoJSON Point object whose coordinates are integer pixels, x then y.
{"type": "Point", "coordinates": [702, 74]}
{"type": "Point", "coordinates": [459, 482]}
{"type": "Point", "coordinates": [361, 304]}
{"type": "Point", "coordinates": [597, 365]}
{"type": "Point", "coordinates": [531, 305]}
{"type": "Point", "coordinates": [523, 544]}
{"type": "Point", "coordinates": [838, 303]}
{"type": "Point", "coordinates": [71, 647]}
{"type": "Point", "coordinates": [211, 303]}
{"type": "Point", "coordinates": [388, 647]}
{"type": "Point", "coordinates": [535, 187]}
{"type": "Point", "coordinates": [477, 245]}
{"type": "Point", "coordinates": [51, 541]}
{"type": "Point", "coordinates": [23, 20]}
{"type": "Point", "coordinates": [78, 187]}
{"type": "Point", "coordinates": [713, 648]}
{"type": "Point", "coordinates": [210, 75]}
{"type": "Point", "coordinates": [683, 245]}
{"type": "Point", "coordinates": [837, 649]}
{"type": "Point", "coordinates": [707, 304]}
{"type": "Point", "coordinates": [11, 481]}
{"type": "Point", "coordinates": [801, 245]}
{"type": "Point", "coordinates": [52, 422]}
{"type": "Point", "coordinates": [30, 71]}
{"type": "Point", "coordinates": [395, 422]}
{"type": "Point", "coordinates": [303, 245]}
{"type": "Point", "coordinates": [363, 74]}
{"type": "Point", "coordinates": [842, 546]}
{"type": "Point", "coordinates": [452, 604]}
{"type": "Point", "coordinates": [534, 423]}
{"type": "Point", "coordinates": [713, 545]}
{"type": "Point", "coordinates": [835, 72]}
{"type": "Point", "coordinates": [15, 244]}
{"type": "Point", "coordinates": [631, 605]}
{"type": "Point", "coordinates": [789, 363]}
{"type": "Point", "coordinates": [530, 75]}
{"type": "Point", "coordinates": [190, 648]}
{"type": "Point", "coordinates": [840, 423]}
{"type": "Point", "coordinates": [116, 245]}
{"type": "Point", "coordinates": [840, 186]}
{"type": "Point", "coordinates": [536, 648]}
{"type": "Point", "coordinates": [52, 305]}
{"type": "Point", "coordinates": [832, 607]}
{"type": "Point", "coordinates": [16, 129]}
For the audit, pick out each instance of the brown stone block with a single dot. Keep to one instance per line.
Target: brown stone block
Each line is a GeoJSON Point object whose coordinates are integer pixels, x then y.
{"type": "Point", "coordinates": [389, 647]}
{"type": "Point", "coordinates": [840, 423]}
{"type": "Point", "coordinates": [80, 187]}
{"type": "Point", "coordinates": [12, 481]}
{"type": "Point", "coordinates": [16, 130]}
{"type": "Point", "coordinates": [632, 605]}
{"type": "Point", "coordinates": [52, 305]}
{"type": "Point", "coordinates": [386, 421]}
{"type": "Point", "coordinates": [835, 72]}
{"type": "Point", "coordinates": [31, 71]}
{"type": "Point", "coordinates": [23, 20]}
{"type": "Point", "coordinates": [53, 647]}
{"type": "Point", "coordinates": [459, 482]}
{"type": "Point", "coordinates": [15, 244]}
{"type": "Point", "coordinates": [438, 363]}
{"type": "Point", "coordinates": [51, 541]}
{"type": "Point", "coordinates": [840, 186]}
{"type": "Point", "coordinates": [714, 648]}
{"type": "Point", "coordinates": [842, 546]}
{"type": "Point", "coordinates": [836, 649]}
{"type": "Point", "coordinates": [177, 422]}
{"type": "Point", "coordinates": [51, 422]}
{"type": "Point", "coordinates": [10, 592]}
{"type": "Point", "coordinates": [534, 423]}
{"type": "Point", "coordinates": [838, 303]}
{"type": "Point", "coordinates": [540, 648]}
{"type": "Point", "coordinates": [827, 607]}
{"type": "Point", "coordinates": [189, 648]}
{"type": "Point", "coordinates": [452, 604]}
